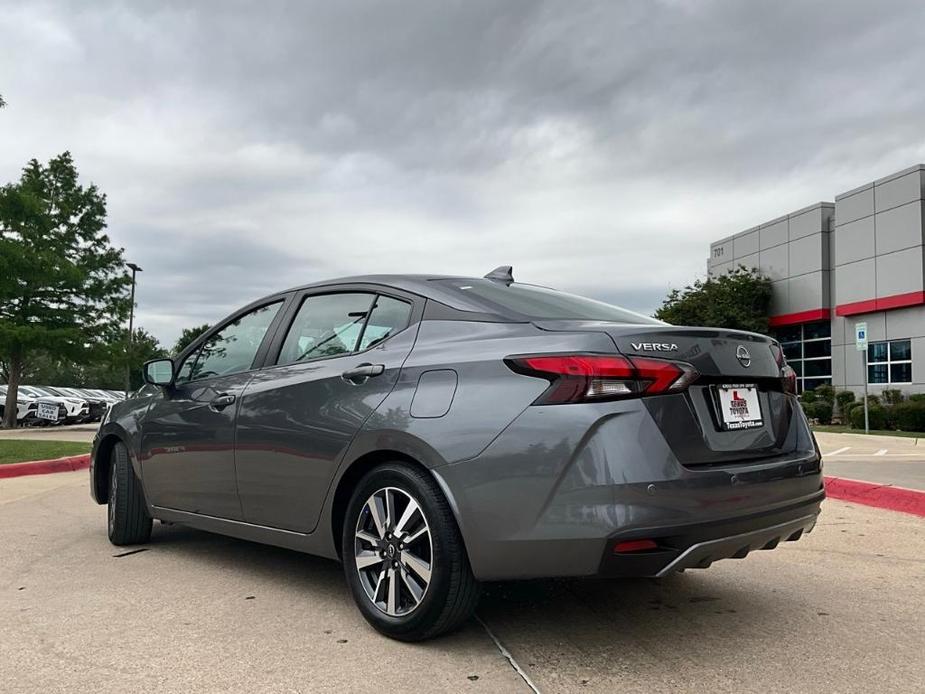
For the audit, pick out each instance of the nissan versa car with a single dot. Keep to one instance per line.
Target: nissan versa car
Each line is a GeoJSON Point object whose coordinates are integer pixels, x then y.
{"type": "Point", "coordinates": [437, 432]}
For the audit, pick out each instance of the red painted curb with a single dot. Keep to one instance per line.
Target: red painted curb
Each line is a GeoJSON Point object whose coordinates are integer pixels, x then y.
{"type": "Point", "coordinates": [44, 467]}
{"type": "Point", "coordinates": [879, 495]}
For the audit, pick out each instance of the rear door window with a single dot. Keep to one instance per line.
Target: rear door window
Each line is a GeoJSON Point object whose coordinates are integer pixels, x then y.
{"type": "Point", "coordinates": [389, 316]}
{"type": "Point", "coordinates": [327, 325]}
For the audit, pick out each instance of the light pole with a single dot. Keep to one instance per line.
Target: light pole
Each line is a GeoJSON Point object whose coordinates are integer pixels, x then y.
{"type": "Point", "coordinates": [131, 321]}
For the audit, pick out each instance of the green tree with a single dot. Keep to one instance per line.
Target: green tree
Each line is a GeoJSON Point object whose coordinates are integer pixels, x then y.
{"type": "Point", "coordinates": [739, 299]}
{"type": "Point", "coordinates": [144, 348]}
{"type": "Point", "coordinates": [62, 283]}
{"type": "Point", "coordinates": [104, 368]}
{"type": "Point", "coordinates": [188, 336]}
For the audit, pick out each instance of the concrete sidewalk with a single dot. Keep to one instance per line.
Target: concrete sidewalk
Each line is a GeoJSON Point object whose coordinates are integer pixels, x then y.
{"type": "Point", "coordinates": [83, 433]}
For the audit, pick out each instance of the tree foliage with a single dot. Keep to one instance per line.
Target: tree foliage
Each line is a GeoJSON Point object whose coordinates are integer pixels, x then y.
{"type": "Point", "coordinates": [739, 299]}
{"type": "Point", "coordinates": [105, 370]}
{"type": "Point", "coordinates": [62, 283]}
{"type": "Point", "coordinates": [188, 336]}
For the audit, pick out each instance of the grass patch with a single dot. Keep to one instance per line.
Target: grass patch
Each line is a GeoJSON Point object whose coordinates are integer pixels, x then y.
{"type": "Point", "coordinates": [835, 429]}
{"type": "Point", "coordinates": [19, 451]}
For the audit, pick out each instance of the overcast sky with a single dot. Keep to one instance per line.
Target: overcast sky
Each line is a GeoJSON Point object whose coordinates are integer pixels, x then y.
{"type": "Point", "coordinates": [597, 147]}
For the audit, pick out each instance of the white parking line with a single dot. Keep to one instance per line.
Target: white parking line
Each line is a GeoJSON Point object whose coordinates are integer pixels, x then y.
{"type": "Point", "coordinates": [916, 457]}
{"type": "Point", "coordinates": [882, 451]}
{"type": "Point", "coordinates": [840, 450]}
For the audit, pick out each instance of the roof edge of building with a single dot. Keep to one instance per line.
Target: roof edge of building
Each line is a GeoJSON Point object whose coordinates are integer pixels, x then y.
{"type": "Point", "coordinates": [880, 181]}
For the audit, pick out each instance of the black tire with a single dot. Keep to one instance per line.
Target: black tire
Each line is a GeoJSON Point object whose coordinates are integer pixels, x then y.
{"type": "Point", "coordinates": [128, 519]}
{"type": "Point", "coordinates": [453, 592]}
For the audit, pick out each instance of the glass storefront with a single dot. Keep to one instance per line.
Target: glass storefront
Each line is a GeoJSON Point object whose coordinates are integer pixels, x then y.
{"type": "Point", "coordinates": [808, 349]}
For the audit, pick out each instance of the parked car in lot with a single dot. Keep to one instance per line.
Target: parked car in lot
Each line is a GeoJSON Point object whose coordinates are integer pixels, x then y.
{"type": "Point", "coordinates": [26, 408]}
{"type": "Point", "coordinates": [96, 405]}
{"type": "Point", "coordinates": [38, 410]}
{"type": "Point", "coordinates": [76, 409]}
{"type": "Point", "coordinates": [436, 432]}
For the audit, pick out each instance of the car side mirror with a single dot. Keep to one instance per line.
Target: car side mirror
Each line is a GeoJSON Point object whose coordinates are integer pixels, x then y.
{"type": "Point", "coordinates": [158, 372]}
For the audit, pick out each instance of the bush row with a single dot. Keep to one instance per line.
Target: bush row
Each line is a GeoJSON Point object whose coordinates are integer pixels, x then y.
{"type": "Point", "coordinates": [890, 410]}
{"type": "Point", "coordinates": [903, 416]}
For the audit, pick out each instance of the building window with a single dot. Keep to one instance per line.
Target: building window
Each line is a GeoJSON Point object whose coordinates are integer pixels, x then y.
{"type": "Point", "coordinates": [889, 362]}
{"type": "Point", "coordinates": [808, 349]}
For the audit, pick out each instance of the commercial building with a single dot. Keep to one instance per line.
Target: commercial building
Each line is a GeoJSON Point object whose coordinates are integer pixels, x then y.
{"type": "Point", "coordinates": [835, 264]}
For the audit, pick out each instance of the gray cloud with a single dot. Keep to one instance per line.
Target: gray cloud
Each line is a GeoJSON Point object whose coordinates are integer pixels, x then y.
{"type": "Point", "coordinates": [596, 146]}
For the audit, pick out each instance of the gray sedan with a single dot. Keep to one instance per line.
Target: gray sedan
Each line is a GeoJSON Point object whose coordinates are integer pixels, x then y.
{"type": "Point", "coordinates": [434, 432]}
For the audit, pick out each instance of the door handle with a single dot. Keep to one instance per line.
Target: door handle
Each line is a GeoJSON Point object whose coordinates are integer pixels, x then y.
{"type": "Point", "coordinates": [360, 373]}
{"type": "Point", "coordinates": [220, 402]}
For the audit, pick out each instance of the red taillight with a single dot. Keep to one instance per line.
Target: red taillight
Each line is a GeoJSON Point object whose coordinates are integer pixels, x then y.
{"type": "Point", "coordinates": [787, 374]}
{"type": "Point", "coordinates": [634, 546]}
{"type": "Point", "coordinates": [778, 353]}
{"type": "Point", "coordinates": [589, 377]}
{"type": "Point", "coordinates": [789, 377]}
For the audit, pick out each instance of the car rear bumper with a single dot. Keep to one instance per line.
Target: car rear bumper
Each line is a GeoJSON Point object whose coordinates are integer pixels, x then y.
{"type": "Point", "coordinates": [698, 546]}
{"type": "Point", "coordinates": [560, 486]}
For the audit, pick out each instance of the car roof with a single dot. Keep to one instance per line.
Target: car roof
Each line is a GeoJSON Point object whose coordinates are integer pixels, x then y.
{"type": "Point", "coordinates": [422, 285]}
{"type": "Point", "coordinates": [419, 284]}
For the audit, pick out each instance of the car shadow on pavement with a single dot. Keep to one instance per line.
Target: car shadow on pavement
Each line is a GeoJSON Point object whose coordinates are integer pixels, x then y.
{"type": "Point", "coordinates": [608, 614]}
{"type": "Point", "coordinates": [558, 607]}
{"type": "Point", "coordinates": [258, 561]}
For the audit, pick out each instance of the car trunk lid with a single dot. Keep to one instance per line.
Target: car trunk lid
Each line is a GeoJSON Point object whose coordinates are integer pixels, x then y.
{"type": "Point", "coordinates": [693, 422]}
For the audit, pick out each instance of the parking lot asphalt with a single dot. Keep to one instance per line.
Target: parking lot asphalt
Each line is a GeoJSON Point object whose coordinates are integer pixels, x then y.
{"type": "Point", "coordinates": [891, 460]}
{"type": "Point", "coordinates": [838, 611]}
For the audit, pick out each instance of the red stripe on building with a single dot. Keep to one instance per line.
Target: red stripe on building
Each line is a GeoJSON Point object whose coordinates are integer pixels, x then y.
{"type": "Point", "coordinates": [799, 317]}
{"type": "Point", "coordinates": [884, 303]}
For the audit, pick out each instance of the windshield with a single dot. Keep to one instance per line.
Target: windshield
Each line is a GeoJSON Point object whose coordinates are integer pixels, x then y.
{"type": "Point", "coordinates": [541, 303]}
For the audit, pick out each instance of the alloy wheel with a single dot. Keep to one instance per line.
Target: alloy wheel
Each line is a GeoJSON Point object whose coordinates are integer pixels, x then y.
{"type": "Point", "coordinates": [393, 550]}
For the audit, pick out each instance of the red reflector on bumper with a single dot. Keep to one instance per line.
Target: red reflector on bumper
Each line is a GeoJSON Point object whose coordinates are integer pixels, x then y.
{"type": "Point", "coordinates": [634, 546]}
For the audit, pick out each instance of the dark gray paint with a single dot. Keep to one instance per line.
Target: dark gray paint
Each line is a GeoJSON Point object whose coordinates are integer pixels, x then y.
{"type": "Point", "coordinates": [434, 395]}
{"type": "Point", "coordinates": [580, 473]}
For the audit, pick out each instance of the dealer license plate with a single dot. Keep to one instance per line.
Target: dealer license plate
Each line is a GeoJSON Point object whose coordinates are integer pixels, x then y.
{"type": "Point", "coordinates": [739, 406]}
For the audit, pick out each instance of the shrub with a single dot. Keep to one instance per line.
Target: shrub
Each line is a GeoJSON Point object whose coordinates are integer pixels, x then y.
{"type": "Point", "coordinates": [818, 410]}
{"type": "Point", "coordinates": [825, 392]}
{"type": "Point", "coordinates": [823, 412]}
{"type": "Point", "coordinates": [892, 396]}
{"type": "Point", "coordinates": [917, 397]}
{"type": "Point", "coordinates": [848, 414]}
{"type": "Point", "coordinates": [909, 416]}
{"type": "Point", "coordinates": [844, 398]}
{"type": "Point", "coordinates": [873, 400]}
{"type": "Point", "coordinates": [876, 417]}
{"type": "Point", "coordinates": [807, 396]}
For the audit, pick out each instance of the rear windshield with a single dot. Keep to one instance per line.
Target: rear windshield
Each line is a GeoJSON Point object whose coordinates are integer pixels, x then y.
{"type": "Point", "coordinates": [540, 303]}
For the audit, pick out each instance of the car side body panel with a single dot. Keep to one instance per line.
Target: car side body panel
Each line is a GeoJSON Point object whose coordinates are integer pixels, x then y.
{"type": "Point", "coordinates": [295, 424]}
{"type": "Point", "coordinates": [537, 490]}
